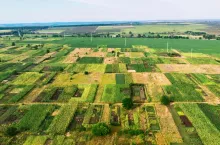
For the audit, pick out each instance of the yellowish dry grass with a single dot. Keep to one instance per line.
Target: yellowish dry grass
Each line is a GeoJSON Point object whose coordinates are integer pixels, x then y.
{"type": "Point", "coordinates": [168, 126]}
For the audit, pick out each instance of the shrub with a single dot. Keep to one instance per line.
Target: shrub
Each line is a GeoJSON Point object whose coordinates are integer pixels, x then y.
{"type": "Point", "coordinates": [127, 103]}
{"type": "Point", "coordinates": [134, 132]}
{"type": "Point", "coordinates": [11, 131]}
{"type": "Point", "coordinates": [101, 129]}
{"type": "Point", "coordinates": [165, 100]}
{"type": "Point", "coordinates": [86, 73]}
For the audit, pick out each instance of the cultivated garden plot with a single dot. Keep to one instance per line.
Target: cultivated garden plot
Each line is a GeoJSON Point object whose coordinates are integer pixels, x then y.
{"type": "Point", "coordinates": [55, 91]}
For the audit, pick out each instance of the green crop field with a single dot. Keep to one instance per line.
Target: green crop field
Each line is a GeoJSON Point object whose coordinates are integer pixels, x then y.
{"type": "Point", "coordinates": [198, 46]}
{"type": "Point", "coordinates": [167, 28]}
{"type": "Point", "coordinates": [58, 90]}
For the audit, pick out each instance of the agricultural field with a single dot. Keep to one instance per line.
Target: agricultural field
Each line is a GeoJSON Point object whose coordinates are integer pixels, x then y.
{"type": "Point", "coordinates": [57, 91]}
{"type": "Point", "coordinates": [166, 28]}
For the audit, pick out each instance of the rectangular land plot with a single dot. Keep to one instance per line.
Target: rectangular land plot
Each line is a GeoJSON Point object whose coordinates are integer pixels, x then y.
{"type": "Point", "coordinates": [120, 79]}
{"type": "Point", "coordinates": [187, 68]}
{"type": "Point", "coordinates": [146, 78]}
{"type": "Point", "coordinates": [90, 60]}
{"type": "Point", "coordinates": [138, 93]}
{"type": "Point", "coordinates": [67, 79]}
{"type": "Point", "coordinates": [28, 78]}
{"type": "Point", "coordinates": [205, 128]}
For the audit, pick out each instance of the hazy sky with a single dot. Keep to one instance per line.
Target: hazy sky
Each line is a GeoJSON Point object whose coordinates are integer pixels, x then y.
{"type": "Point", "coordinates": [20, 11]}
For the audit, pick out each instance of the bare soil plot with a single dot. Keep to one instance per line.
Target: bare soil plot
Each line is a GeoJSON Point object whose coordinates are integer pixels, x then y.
{"type": "Point", "coordinates": [185, 120]}
{"type": "Point", "coordinates": [80, 52]}
{"type": "Point", "coordinates": [110, 60]}
{"type": "Point", "coordinates": [168, 126]}
{"type": "Point", "coordinates": [111, 49]}
{"type": "Point", "coordinates": [188, 68]}
{"type": "Point", "coordinates": [146, 78]}
{"type": "Point", "coordinates": [97, 54]}
{"type": "Point", "coordinates": [160, 139]}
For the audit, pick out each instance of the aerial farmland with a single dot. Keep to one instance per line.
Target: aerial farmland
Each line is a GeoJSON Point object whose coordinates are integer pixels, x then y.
{"type": "Point", "coordinates": [154, 84]}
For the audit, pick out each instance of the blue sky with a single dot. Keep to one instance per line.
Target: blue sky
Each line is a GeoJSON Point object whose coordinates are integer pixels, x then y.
{"type": "Point", "coordinates": [25, 11]}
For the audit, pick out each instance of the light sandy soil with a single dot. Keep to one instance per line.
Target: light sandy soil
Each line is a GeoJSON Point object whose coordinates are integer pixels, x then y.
{"type": "Point", "coordinates": [55, 113]}
{"type": "Point", "coordinates": [160, 139]}
{"type": "Point", "coordinates": [97, 54]}
{"type": "Point", "coordinates": [146, 78]}
{"type": "Point", "coordinates": [127, 54]}
{"type": "Point", "coordinates": [80, 52]}
{"type": "Point", "coordinates": [110, 60]}
{"type": "Point", "coordinates": [111, 49]}
{"type": "Point", "coordinates": [189, 68]}
{"type": "Point", "coordinates": [168, 126]}
{"type": "Point", "coordinates": [131, 71]}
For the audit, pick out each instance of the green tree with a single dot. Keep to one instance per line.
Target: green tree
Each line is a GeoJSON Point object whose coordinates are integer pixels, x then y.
{"type": "Point", "coordinates": [11, 131]}
{"type": "Point", "coordinates": [13, 44]}
{"type": "Point", "coordinates": [127, 103]}
{"type": "Point", "coordinates": [86, 73]}
{"type": "Point", "coordinates": [101, 129]}
{"type": "Point", "coordinates": [165, 100]}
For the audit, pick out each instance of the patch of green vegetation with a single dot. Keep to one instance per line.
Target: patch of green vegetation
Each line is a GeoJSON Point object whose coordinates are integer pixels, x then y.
{"type": "Point", "coordinates": [112, 68]}
{"type": "Point", "coordinates": [115, 93]}
{"type": "Point", "coordinates": [120, 78]}
{"type": "Point", "coordinates": [137, 67]}
{"type": "Point", "coordinates": [34, 117]}
{"type": "Point", "coordinates": [90, 60]}
{"type": "Point", "coordinates": [62, 120]}
{"type": "Point", "coordinates": [204, 127]}
{"type": "Point", "coordinates": [212, 112]}
{"type": "Point", "coordinates": [125, 60]}
{"type": "Point", "coordinates": [204, 60]}
{"type": "Point", "coordinates": [182, 88]}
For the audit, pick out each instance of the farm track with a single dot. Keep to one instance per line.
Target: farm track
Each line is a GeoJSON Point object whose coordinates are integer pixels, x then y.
{"type": "Point", "coordinates": [120, 104]}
